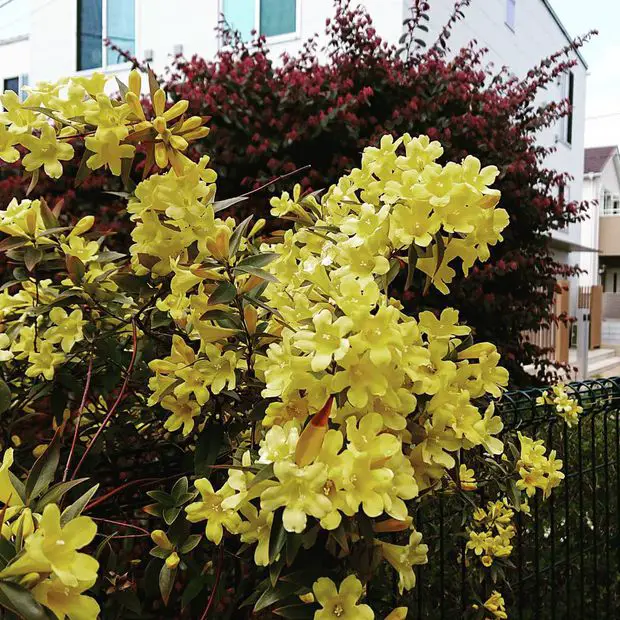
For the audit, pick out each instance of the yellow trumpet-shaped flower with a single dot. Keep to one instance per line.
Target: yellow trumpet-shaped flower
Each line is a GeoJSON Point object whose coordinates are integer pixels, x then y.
{"type": "Point", "coordinates": [340, 603]}
{"type": "Point", "coordinates": [46, 151]}
{"type": "Point", "coordinates": [108, 151]}
{"type": "Point", "coordinates": [67, 601]}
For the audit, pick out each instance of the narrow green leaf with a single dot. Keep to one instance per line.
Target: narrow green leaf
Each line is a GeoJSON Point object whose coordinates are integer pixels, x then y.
{"type": "Point", "coordinates": [208, 448]}
{"type": "Point", "coordinates": [255, 271]}
{"type": "Point", "coordinates": [75, 509]}
{"type": "Point", "coordinates": [180, 488]}
{"type": "Point", "coordinates": [302, 612]}
{"type": "Point", "coordinates": [5, 397]}
{"type": "Point", "coordinates": [259, 260]}
{"type": "Point", "coordinates": [237, 234]}
{"type": "Point", "coordinates": [220, 205]}
{"type": "Point", "coordinates": [273, 595]}
{"type": "Point", "coordinates": [166, 582]}
{"type": "Point", "coordinates": [83, 170]}
{"type": "Point", "coordinates": [412, 257]}
{"type": "Point", "coordinates": [21, 602]}
{"type": "Point", "coordinates": [192, 590]}
{"type": "Point", "coordinates": [266, 473]}
{"type": "Point", "coordinates": [191, 542]}
{"type": "Point", "coordinates": [277, 537]}
{"type": "Point", "coordinates": [56, 493]}
{"type": "Point", "coordinates": [42, 472]}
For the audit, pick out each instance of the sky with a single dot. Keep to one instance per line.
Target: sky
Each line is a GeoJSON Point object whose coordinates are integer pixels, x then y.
{"type": "Point", "coordinates": [603, 57]}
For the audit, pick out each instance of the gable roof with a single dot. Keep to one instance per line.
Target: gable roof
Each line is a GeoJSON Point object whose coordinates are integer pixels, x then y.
{"type": "Point", "coordinates": [596, 158]}
{"type": "Point", "coordinates": [564, 31]}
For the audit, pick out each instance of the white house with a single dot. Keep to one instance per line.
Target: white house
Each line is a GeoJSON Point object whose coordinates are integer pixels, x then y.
{"type": "Point", "coordinates": [45, 39]}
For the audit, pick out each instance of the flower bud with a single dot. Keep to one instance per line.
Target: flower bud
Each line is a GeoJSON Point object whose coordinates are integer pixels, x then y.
{"type": "Point", "coordinates": [400, 613]}
{"type": "Point", "coordinates": [160, 538]}
{"type": "Point", "coordinates": [311, 439]}
{"type": "Point", "coordinates": [392, 525]}
{"type": "Point", "coordinates": [251, 317]}
{"type": "Point", "coordinates": [172, 561]}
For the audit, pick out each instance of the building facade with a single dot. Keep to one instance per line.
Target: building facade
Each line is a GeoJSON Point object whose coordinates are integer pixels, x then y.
{"type": "Point", "coordinates": [44, 39]}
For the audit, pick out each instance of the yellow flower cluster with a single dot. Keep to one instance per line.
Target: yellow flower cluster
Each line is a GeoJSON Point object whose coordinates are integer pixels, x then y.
{"type": "Point", "coordinates": [537, 471]}
{"type": "Point", "coordinates": [55, 113]}
{"type": "Point", "coordinates": [491, 532]}
{"type": "Point", "coordinates": [563, 404]}
{"type": "Point", "coordinates": [50, 564]}
{"type": "Point", "coordinates": [496, 607]}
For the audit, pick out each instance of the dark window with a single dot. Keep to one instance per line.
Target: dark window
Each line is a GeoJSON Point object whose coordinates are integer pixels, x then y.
{"type": "Point", "coordinates": [615, 282]}
{"type": "Point", "coordinates": [90, 34]}
{"type": "Point", "coordinates": [569, 118]}
{"type": "Point", "coordinates": [11, 84]}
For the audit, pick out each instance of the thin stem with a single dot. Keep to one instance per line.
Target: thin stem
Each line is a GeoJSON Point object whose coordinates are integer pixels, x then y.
{"type": "Point", "coordinates": [103, 498]}
{"type": "Point", "coordinates": [218, 573]}
{"type": "Point", "coordinates": [116, 402]}
{"type": "Point", "coordinates": [76, 431]}
{"type": "Point", "coordinates": [122, 524]}
{"type": "Point", "coordinates": [276, 179]}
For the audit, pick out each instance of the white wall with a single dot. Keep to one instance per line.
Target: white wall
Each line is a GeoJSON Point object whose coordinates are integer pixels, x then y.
{"type": "Point", "coordinates": [590, 231]}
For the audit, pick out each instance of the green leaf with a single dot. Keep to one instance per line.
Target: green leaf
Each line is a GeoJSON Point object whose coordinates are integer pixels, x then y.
{"type": "Point", "coordinates": [32, 257]}
{"type": "Point", "coordinates": [190, 543]}
{"type": "Point", "coordinates": [47, 215]}
{"type": "Point", "coordinates": [266, 473]}
{"type": "Point", "coordinates": [7, 552]}
{"type": "Point", "coordinates": [75, 509]}
{"type": "Point", "coordinates": [223, 294]}
{"type": "Point", "coordinates": [42, 472]}
{"type": "Point", "coordinates": [296, 611]}
{"type": "Point", "coordinates": [76, 269]}
{"type": "Point", "coordinates": [122, 87]}
{"type": "Point", "coordinates": [153, 83]}
{"type": "Point", "coordinates": [412, 257]}
{"type": "Point", "coordinates": [57, 492]}
{"type": "Point", "coordinates": [12, 243]}
{"type": "Point", "coordinates": [18, 485]}
{"type": "Point", "coordinates": [161, 497]}
{"type": "Point", "coordinates": [220, 205]}
{"type": "Point", "coordinates": [83, 170]}
{"type": "Point", "coordinates": [255, 271]}
{"type": "Point", "coordinates": [192, 590]}
{"type": "Point", "coordinates": [277, 537]}
{"type": "Point", "coordinates": [259, 260]}
{"type": "Point", "coordinates": [273, 595]}
{"type": "Point", "coordinates": [21, 602]}
{"type": "Point", "coordinates": [166, 582]}
{"type": "Point", "coordinates": [180, 488]}
{"type": "Point", "coordinates": [170, 514]}
{"type": "Point", "coordinates": [208, 448]}
{"type": "Point", "coordinates": [5, 397]}
{"type": "Point", "coordinates": [237, 234]}
{"type": "Point", "coordinates": [293, 544]}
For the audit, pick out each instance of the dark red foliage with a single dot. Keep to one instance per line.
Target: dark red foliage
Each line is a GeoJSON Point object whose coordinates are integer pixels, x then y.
{"type": "Point", "coordinates": [323, 106]}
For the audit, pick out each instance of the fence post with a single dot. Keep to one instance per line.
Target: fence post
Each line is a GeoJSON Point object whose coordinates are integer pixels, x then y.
{"type": "Point", "coordinates": [596, 316]}
{"type": "Point", "coordinates": [583, 338]}
{"type": "Point", "coordinates": [562, 333]}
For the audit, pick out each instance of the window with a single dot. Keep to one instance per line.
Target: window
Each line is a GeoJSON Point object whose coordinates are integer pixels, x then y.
{"type": "Point", "coordinates": [99, 20]}
{"type": "Point", "coordinates": [511, 6]}
{"type": "Point", "coordinates": [272, 18]}
{"type": "Point", "coordinates": [568, 92]}
{"type": "Point", "coordinates": [611, 203]}
{"type": "Point", "coordinates": [16, 84]}
{"type": "Point", "coordinates": [11, 84]}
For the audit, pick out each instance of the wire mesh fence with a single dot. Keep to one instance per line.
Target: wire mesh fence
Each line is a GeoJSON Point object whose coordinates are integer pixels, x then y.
{"type": "Point", "coordinates": [567, 553]}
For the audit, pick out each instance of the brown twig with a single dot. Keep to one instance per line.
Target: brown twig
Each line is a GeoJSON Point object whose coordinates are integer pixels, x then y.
{"type": "Point", "coordinates": [122, 524]}
{"type": "Point", "coordinates": [76, 431]}
{"type": "Point", "coordinates": [275, 180]}
{"type": "Point", "coordinates": [116, 402]}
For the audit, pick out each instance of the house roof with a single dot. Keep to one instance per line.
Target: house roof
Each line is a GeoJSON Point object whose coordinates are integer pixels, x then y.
{"type": "Point", "coordinates": [596, 158]}
{"type": "Point", "coordinates": [564, 31]}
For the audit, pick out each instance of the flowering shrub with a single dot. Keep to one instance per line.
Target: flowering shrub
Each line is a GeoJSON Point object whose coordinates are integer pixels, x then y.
{"type": "Point", "coordinates": [297, 414]}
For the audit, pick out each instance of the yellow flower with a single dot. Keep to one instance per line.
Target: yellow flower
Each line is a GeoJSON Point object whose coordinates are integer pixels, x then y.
{"type": "Point", "coordinates": [5, 343]}
{"type": "Point", "coordinates": [67, 601]}
{"type": "Point", "coordinates": [300, 492]}
{"type": "Point", "coordinates": [257, 529]}
{"type": "Point", "coordinates": [467, 478]}
{"type": "Point", "coordinates": [86, 251]}
{"type": "Point", "coordinates": [44, 361]}
{"type": "Point", "coordinates": [8, 152]}
{"type": "Point", "coordinates": [8, 495]}
{"type": "Point", "coordinates": [210, 508]}
{"type": "Point", "coordinates": [107, 150]}
{"type": "Point", "coordinates": [183, 413]}
{"type": "Point", "coordinates": [53, 549]}
{"type": "Point", "coordinates": [46, 151]}
{"type": "Point", "coordinates": [67, 330]}
{"type": "Point", "coordinates": [495, 604]}
{"type": "Point", "coordinates": [340, 603]}
{"type": "Point", "coordinates": [326, 341]}
{"type": "Point", "coordinates": [403, 559]}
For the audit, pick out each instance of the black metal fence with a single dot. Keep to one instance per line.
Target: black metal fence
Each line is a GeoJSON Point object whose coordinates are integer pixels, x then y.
{"type": "Point", "coordinates": [567, 554]}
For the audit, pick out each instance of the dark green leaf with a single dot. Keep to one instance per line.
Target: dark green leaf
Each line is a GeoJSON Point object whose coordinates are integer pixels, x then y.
{"type": "Point", "coordinates": [208, 448]}
{"type": "Point", "coordinates": [266, 473]}
{"type": "Point", "coordinates": [75, 510]}
{"type": "Point", "coordinates": [224, 293]}
{"type": "Point", "coordinates": [259, 260]}
{"type": "Point", "coordinates": [57, 492]}
{"type": "Point", "coordinates": [161, 497]}
{"type": "Point", "coordinates": [7, 552]}
{"type": "Point", "coordinates": [190, 543]}
{"type": "Point", "coordinates": [273, 595]}
{"type": "Point", "coordinates": [293, 544]}
{"type": "Point", "coordinates": [412, 256]}
{"type": "Point", "coordinates": [277, 537]}
{"type": "Point", "coordinates": [32, 257]}
{"type": "Point", "coordinates": [83, 170]}
{"type": "Point", "coordinates": [220, 205]}
{"type": "Point", "coordinates": [21, 602]}
{"type": "Point", "coordinates": [47, 215]}
{"type": "Point", "coordinates": [180, 488]}
{"type": "Point", "coordinates": [166, 582]}
{"type": "Point", "coordinates": [237, 234]}
{"type": "Point", "coordinates": [76, 269]}
{"type": "Point", "coordinates": [255, 271]}
{"type": "Point", "coordinates": [296, 611]}
{"type": "Point", "coordinates": [12, 243]}
{"type": "Point", "coordinates": [170, 514]}
{"type": "Point", "coordinates": [5, 397]}
{"type": "Point", "coordinates": [42, 472]}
